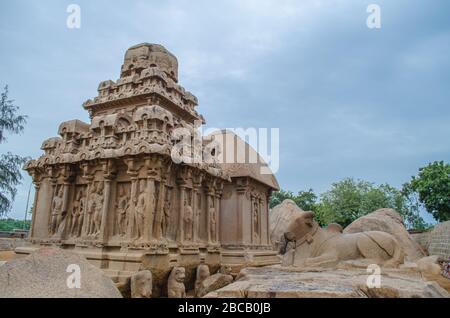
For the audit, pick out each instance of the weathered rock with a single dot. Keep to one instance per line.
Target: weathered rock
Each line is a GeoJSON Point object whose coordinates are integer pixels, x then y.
{"type": "Point", "coordinates": [429, 264]}
{"type": "Point", "coordinates": [389, 221]}
{"type": "Point", "coordinates": [307, 244]}
{"type": "Point", "coordinates": [141, 284]}
{"type": "Point", "coordinates": [213, 283]}
{"type": "Point", "coordinates": [276, 281]}
{"type": "Point", "coordinates": [279, 219]}
{"type": "Point", "coordinates": [439, 240]}
{"type": "Point", "coordinates": [202, 274]}
{"type": "Point", "coordinates": [46, 274]}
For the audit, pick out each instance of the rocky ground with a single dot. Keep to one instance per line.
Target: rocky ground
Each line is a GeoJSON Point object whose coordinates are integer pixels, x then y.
{"type": "Point", "coordinates": [276, 281]}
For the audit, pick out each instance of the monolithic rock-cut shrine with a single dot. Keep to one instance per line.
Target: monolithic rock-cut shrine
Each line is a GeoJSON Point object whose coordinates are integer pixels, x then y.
{"type": "Point", "coordinates": [110, 190]}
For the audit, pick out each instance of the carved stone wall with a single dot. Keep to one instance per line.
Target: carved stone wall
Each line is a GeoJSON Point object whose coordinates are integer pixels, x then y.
{"type": "Point", "coordinates": [110, 190]}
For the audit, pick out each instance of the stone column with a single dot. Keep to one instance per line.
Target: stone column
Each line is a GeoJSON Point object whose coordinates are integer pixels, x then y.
{"type": "Point", "coordinates": [241, 190]}
{"type": "Point", "coordinates": [85, 225]}
{"type": "Point", "coordinates": [131, 216]}
{"type": "Point", "coordinates": [159, 208]}
{"type": "Point", "coordinates": [217, 206]}
{"type": "Point", "coordinates": [37, 184]}
{"type": "Point", "coordinates": [54, 183]}
{"type": "Point", "coordinates": [260, 214]}
{"type": "Point", "coordinates": [180, 234]}
{"type": "Point", "coordinates": [252, 219]}
{"type": "Point", "coordinates": [195, 212]}
{"type": "Point", "coordinates": [106, 209]}
{"type": "Point", "coordinates": [209, 202]}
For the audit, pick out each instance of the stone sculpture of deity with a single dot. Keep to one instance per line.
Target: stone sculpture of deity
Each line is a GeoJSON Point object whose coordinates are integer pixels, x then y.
{"type": "Point", "coordinates": [188, 221]}
{"type": "Point", "coordinates": [141, 205]}
{"type": "Point", "coordinates": [77, 214]}
{"type": "Point", "coordinates": [57, 204]}
{"type": "Point", "coordinates": [122, 211]}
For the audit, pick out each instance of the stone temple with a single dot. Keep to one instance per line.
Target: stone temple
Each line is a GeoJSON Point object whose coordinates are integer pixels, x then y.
{"type": "Point", "coordinates": [111, 191]}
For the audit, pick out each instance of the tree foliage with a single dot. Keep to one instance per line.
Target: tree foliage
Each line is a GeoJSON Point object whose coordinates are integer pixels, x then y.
{"type": "Point", "coordinates": [9, 225]}
{"type": "Point", "coordinates": [306, 200]}
{"type": "Point", "coordinates": [350, 199]}
{"type": "Point", "coordinates": [10, 164]}
{"type": "Point", "coordinates": [432, 185]}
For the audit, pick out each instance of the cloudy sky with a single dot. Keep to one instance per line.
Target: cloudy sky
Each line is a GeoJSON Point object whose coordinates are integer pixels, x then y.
{"type": "Point", "coordinates": [349, 101]}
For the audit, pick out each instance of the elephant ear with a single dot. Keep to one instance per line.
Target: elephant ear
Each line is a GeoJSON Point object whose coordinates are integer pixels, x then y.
{"type": "Point", "coordinates": [308, 216]}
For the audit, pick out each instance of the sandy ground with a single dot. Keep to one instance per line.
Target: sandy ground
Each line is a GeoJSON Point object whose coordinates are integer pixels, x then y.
{"type": "Point", "coordinates": [7, 255]}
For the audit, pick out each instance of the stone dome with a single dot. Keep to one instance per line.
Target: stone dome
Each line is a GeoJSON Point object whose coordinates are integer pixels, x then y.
{"type": "Point", "coordinates": [147, 55]}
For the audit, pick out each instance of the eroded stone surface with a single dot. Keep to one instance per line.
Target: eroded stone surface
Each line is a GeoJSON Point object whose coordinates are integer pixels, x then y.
{"type": "Point", "coordinates": [282, 282]}
{"type": "Point", "coordinates": [389, 221]}
{"type": "Point", "coordinates": [44, 273]}
{"type": "Point", "coordinates": [305, 243]}
{"type": "Point", "coordinates": [280, 218]}
{"type": "Point", "coordinates": [213, 283]}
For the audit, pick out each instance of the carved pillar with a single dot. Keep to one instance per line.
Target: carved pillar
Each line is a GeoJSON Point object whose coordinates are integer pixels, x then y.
{"type": "Point", "coordinates": [133, 173]}
{"type": "Point", "coordinates": [180, 234]}
{"type": "Point", "coordinates": [210, 206]}
{"type": "Point", "coordinates": [266, 211]}
{"type": "Point", "coordinates": [160, 205]}
{"type": "Point", "coordinates": [153, 166]}
{"type": "Point", "coordinates": [260, 215]}
{"type": "Point", "coordinates": [89, 177]}
{"type": "Point", "coordinates": [37, 184]}
{"type": "Point", "coordinates": [252, 219]}
{"type": "Point", "coordinates": [195, 210]}
{"type": "Point", "coordinates": [241, 190]}
{"type": "Point", "coordinates": [54, 183]}
{"type": "Point", "coordinates": [218, 195]}
{"type": "Point", "coordinates": [109, 174]}
{"type": "Point", "coordinates": [84, 227]}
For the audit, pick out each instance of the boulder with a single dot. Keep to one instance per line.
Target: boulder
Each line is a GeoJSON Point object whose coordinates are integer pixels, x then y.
{"type": "Point", "coordinates": [390, 221]}
{"type": "Point", "coordinates": [291, 282]}
{"type": "Point", "coordinates": [439, 240]}
{"type": "Point", "coordinates": [52, 273]}
{"type": "Point", "coordinates": [279, 219]}
{"type": "Point", "coordinates": [213, 283]}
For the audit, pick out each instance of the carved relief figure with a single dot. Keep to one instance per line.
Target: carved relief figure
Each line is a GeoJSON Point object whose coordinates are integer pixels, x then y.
{"type": "Point", "coordinates": [123, 206]}
{"type": "Point", "coordinates": [188, 219]}
{"type": "Point", "coordinates": [213, 222]}
{"type": "Point", "coordinates": [57, 205]}
{"type": "Point", "coordinates": [175, 284]}
{"type": "Point", "coordinates": [141, 205]}
{"type": "Point", "coordinates": [98, 204]}
{"type": "Point", "coordinates": [166, 214]}
{"type": "Point", "coordinates": [77, 214]}
{"type": "Point", "coordinates": [91, 209]}
{"type": "Point", "coordinates": [255, 215]}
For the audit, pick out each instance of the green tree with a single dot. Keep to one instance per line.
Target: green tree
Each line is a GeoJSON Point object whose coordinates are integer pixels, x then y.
{"type": "Point", "coordinates": [432, 186]}
{"type": "Point", "coordinates": [306, 200]}
{"type": "Point", "coordinates": [9, 225]}
{"type": "Point", "coordinates": [10, 164]}
{"type": "Point", "coordinates": [348, 200]}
